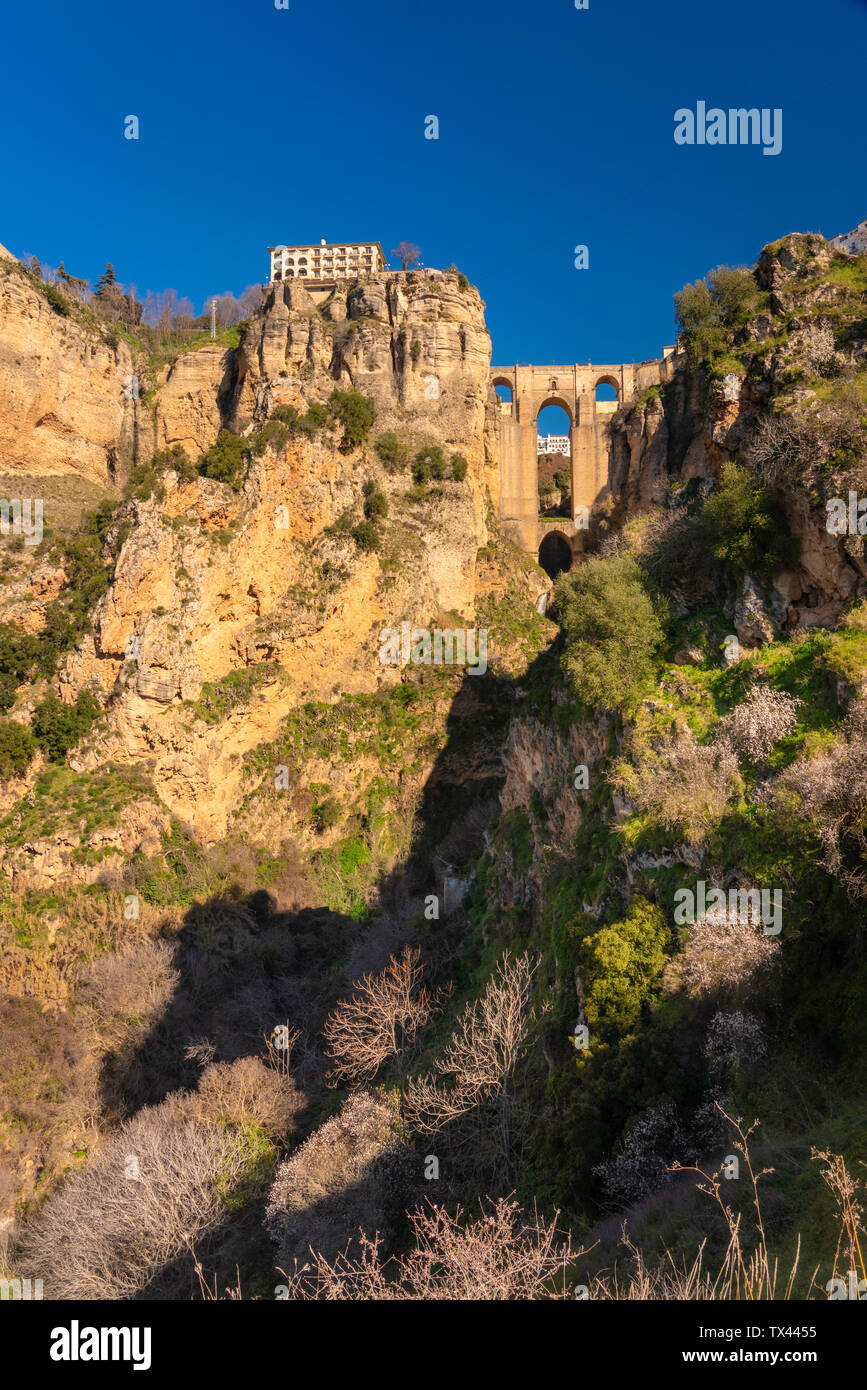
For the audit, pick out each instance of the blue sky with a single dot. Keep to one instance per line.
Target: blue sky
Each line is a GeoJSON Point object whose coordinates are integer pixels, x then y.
{"type": "Point", "coordinates": [261, 125]}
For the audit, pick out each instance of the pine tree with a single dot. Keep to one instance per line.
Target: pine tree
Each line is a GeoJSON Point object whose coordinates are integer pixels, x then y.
{"type": "Point", "coordinates": [106, 282]}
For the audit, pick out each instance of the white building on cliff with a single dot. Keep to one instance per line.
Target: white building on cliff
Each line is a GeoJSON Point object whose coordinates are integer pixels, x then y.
{"type": "Point", "coordinates": [344, 261]}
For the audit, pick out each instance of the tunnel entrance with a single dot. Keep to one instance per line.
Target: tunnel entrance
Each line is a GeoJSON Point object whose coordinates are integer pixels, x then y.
{"type": "Point", "coordinates": [555, 554]}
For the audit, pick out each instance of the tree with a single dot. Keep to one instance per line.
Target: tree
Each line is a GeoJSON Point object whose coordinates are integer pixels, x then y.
{"type": "Point", "coordinates": [612, 630]}
{"type": "Point", "coordinates": [501, 1254]}
{"type": "Point", "coordinates": [380, 1020]}
{"type": "Point", "coordinates": [17, 746]}
{"type": "Point", "coordinates": [407, 253]}
{"type": "Point", "coordinates": [746, 527]}
{"type": "Point", "coordinates": [107, 283]}
{"type": "Point", "coordinates": [482, 1052]}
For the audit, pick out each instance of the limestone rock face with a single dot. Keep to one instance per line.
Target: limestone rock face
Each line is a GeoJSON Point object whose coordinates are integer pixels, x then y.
{"type": "Point", "coordinates": [189, 396]}
{"type": "Point", "coordinates": [540, 763]}
{"type": "Point", "coordinates": [753, 624]}
{"type": "Point", "coordinates": [210, 582]}
{"type": "Point", "coordinates": [415, 342]}
{"type": "Point", "coordinates": [63, 406]}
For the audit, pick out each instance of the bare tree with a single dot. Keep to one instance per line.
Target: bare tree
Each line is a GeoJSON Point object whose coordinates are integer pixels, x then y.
{"type": "Point", "coordinates": [755, 726]}
{"type": "Point", "coordinates": [482, 1052]}
{"type": "Point", "coordinates": [159, 308]}
{"type": "Point", "coordinates": [380, 1020]}
{"type": "Point", "coordinates": [154, 1189]}
{"type": "Point", "coordinates": [407, 253]}
{"type": "Point", "coordinates": [502, 1254]}
{"type": "Point", "coordinates": [252, 297]}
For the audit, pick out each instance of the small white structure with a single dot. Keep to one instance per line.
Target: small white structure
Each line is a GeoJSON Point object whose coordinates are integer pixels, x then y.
{"type": "Point", "coordinates": [553, 444]}
{"type": "Point", "coordinates": [345, 261]}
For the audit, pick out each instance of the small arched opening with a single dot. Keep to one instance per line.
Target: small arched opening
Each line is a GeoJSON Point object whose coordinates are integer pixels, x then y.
{"type": "Point", "coordinates": [505, 394]}
{"type": "Point", "coordinates": [555, 554]}
{"type": "Point", "coordinates": [607, 395]}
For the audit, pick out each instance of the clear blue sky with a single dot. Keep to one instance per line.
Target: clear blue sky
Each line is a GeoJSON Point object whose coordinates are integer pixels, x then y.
{"type": "Point", "coordinates": [261, 126]}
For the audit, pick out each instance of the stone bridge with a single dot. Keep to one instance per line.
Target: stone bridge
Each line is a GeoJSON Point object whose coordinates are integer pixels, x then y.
{"type": "Point", "coordinates": [575, 389]}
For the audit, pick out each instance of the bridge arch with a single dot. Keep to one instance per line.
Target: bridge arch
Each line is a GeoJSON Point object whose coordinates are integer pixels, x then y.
{"type": "Point", "coordinates": [555, 398]}
{"type": "Point", "coordinates": [607, 381]}
{"type": "Point", "coordinates": [555, 553]}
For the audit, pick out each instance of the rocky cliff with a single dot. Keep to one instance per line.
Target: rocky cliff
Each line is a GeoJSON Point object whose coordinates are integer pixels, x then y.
{"type": "Point", "coordinates": [415, 342]}
{"type": "Point", "coordinates": [63, 407]}
{"type": "Point", "coordinates": [773, 398]}
{"type": "Point", "coordinates": [263, 586]}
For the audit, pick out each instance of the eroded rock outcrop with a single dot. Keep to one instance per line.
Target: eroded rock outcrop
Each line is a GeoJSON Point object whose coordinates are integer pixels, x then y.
{"type": "Point", "coordinates": [63, 389]}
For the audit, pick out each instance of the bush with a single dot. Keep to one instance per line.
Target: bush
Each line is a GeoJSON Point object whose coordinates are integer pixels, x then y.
{"type": "Point", "coordinates": [502, 1254]}
{"type": "Point", "coordinates": [246, 1092]}
{"type": "Point", "coordinates": [356, 414]}
{"type": "Point", "coordinates": [829, 794]}
{"type": "Point", "coordinates": [612, 630]}
{"type": "Point", "coordinates": [58, 727]}
{"type": "Point", "coordinates": [366, 536]}
{"type": "Point", "coordinates": [225, 461]}
{"type": "Point", "coordinates": [326, 814]}
{"type": "Point", "coordinates": [429, 462]}
{"type": "Point", "coordinates": [746, 526]}
{"type": "Point", "coordinates": [393, 455]}
{"type": "Point", "coordinates": [618, 966]}
{"type": "Point", "coordinates": [688, 786]}
{"type": "Point", "coordinates": [459, 467]}
{"type": "Point", "coordinates": [107, 1233]}
{"type": "Point", "coordinates": [17, 746]}
{"type": "Point", "coordinates": [375, 503]}
{"type": "Point", "coordinates": [350, 1173]}
{"type": "Point", "coordinates": [755, 726]}
{"type": "Point", "coordinates": [59, 303]}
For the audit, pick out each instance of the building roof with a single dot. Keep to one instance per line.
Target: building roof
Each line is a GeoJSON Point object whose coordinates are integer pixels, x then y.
{"type": "Point", "coordinates": [329, 246]}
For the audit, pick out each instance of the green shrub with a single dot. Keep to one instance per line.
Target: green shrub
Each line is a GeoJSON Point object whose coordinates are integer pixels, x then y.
{"type": "Point", "coordinates": [356, 414]}
{"type": "Point", "coordinates": [392, 454]}
{"type": "Point", "coordinates": [58, 727]}
{"type": "Point", "coordinates": [429, 462]}
{"type": "Point", "coordinates": [225, 461]}
{"type": "Point", "coordinates": [459, 467]}
{"type": "Point", "coordinates": [366, 536]}
{"type": "Point", "coordinates": [375, 502]}
{"type": "Point", "coordinates": [746, 526]}
{"type": "Point", "coordinates": [325, 814]}
{"type": "Point", "coordinates": [59, 303]}
{"type": "Point", "coordinates": [612, 630]}
{"type": "Point", "coordinates": [17, 745]}
{"type": "Point", "coordinates": [618, 966]}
